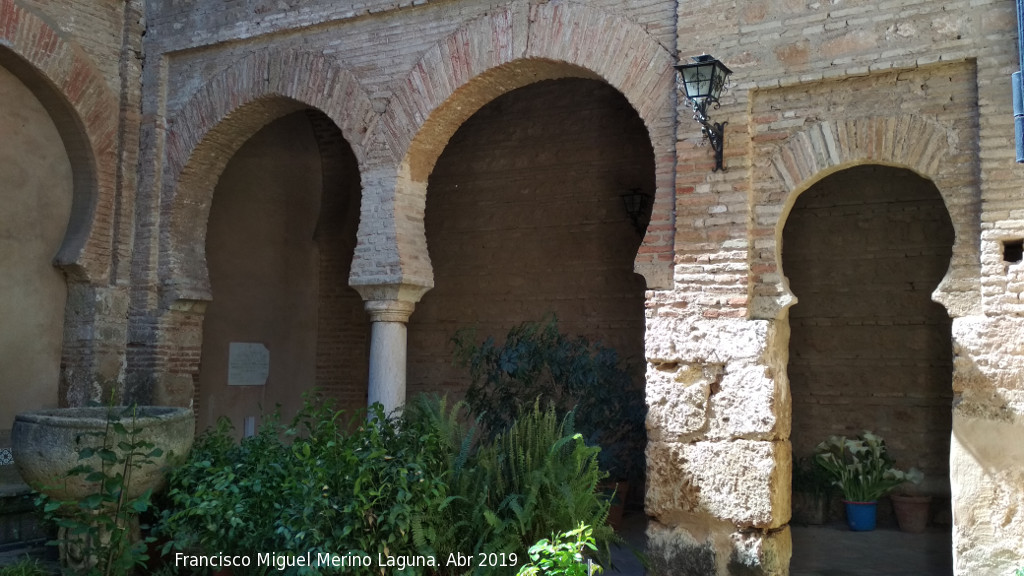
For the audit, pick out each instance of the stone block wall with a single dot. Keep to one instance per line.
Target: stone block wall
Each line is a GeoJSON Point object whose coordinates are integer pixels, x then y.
{"type": "Point", "coordinates": [818, 88]}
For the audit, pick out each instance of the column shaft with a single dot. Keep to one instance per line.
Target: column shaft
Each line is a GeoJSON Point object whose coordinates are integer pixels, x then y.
{"type": "Point", "coordinates": [387, 365]}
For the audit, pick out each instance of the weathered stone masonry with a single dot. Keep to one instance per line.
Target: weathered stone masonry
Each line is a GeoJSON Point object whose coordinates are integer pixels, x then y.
{"type": "Point", "coordinates": [152, 99]}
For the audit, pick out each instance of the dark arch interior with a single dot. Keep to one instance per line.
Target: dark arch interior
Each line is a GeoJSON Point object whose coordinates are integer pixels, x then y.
{"type": "Point", "coordinates": [525, 217]}
{"type": "Point", "coordinates": [863, 250]}
{"type": "Point", "coordinates": [279, 244]}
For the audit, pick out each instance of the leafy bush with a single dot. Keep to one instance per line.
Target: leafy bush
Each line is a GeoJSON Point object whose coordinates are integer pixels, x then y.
{"type": "Point", "coordinates": [24, 567]}
{"type": "Point", "coordinates": [309, 487]}
{"type": "Point", "coordinates": [562, 555]}
{"type": "Point", "coordinates": [423, 485]}
{"type": "Point", "coordinates": [535, 361]}
{"type": "Point", "coordinates": [811, 477]}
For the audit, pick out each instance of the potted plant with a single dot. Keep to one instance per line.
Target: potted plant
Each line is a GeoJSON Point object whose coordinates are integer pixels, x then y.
{"type": "Point", "coordinates": [812, 487]}
{"type": "Point", "coordinates": [913, 510]}
{"type": "Point", "coordinates": [863, 471]}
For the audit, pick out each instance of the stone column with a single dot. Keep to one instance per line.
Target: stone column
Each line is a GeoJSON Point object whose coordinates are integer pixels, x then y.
{"type": "Point", "coordinates": [388, 352]}
{"type": "Point", "coordinates": [389, 306]}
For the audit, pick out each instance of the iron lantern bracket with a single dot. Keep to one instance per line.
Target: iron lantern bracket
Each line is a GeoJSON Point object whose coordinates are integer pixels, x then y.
{"type": "Point", "coordinates": [714, 132]}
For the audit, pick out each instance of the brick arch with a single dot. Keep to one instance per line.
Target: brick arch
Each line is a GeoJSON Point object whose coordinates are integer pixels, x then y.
{"type": "Point", "coordinates": [506, 49]}
{"type": "Point", "coordinates": [85, 111]}
{"type": "Point", "coordinates": [824, 148]}
{"type": "Point", "coordinates": [219, 117]}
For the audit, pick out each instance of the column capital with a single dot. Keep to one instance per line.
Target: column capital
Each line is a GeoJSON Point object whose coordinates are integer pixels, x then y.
{"type": "Point", "coordinates": [389, 310]}
{"type": "Point", "coordinates": [390, 302]}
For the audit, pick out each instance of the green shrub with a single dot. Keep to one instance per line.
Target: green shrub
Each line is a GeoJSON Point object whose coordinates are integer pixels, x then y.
{"type": "Point", "coordinates": [537, 478]}
{"type": "Point", "coordinates": [562, 555]}
{"type": "Point", "coordinates": [226, 497]}
{"type": "Point", "coordinates": [536, 360]}
{"type": "Point", "coordinates": [425, 484]}
{"type": "Point", "coordinates": [309, 487]}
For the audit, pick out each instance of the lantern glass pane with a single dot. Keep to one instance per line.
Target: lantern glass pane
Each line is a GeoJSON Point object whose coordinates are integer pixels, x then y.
{"type": "Point", "coordinates": [718, 83]}
{"type": "Point", "coordinates": [697, 81]}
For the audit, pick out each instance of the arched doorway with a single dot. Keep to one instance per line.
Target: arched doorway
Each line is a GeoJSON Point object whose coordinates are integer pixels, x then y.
{"type": "Point", "coordinates": [279, 246]}
{"type": "Point", "coordinates": [36, 194]}
{"type": "Point", "coordinates": [863, 250]}
{"type": "Point", "coordinates": [525, 218]}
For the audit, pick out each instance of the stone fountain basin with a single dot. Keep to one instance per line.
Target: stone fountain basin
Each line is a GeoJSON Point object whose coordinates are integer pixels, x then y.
{"type": "Point", "coordinates": [46, 446]}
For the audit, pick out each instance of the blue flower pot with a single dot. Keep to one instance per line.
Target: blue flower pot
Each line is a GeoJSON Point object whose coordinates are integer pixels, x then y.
{"type": "Point", "coordinates": [860, 516]}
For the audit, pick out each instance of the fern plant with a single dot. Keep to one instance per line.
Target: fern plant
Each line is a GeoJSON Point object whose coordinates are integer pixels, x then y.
{"type": "Point", "coordinates": [537, 478]}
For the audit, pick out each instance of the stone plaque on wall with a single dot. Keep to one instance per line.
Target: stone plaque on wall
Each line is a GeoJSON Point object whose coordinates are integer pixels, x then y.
{"type": "Point", "coordinates": [248, 364]}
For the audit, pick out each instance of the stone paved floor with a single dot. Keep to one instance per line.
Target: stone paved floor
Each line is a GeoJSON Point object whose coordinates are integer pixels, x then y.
{"type": "Point", "coordinates": [829, 550]}
{"type": "Point", "coordinates": [633, 531]}
{"type": "Point", "coordinates": [833, 550]}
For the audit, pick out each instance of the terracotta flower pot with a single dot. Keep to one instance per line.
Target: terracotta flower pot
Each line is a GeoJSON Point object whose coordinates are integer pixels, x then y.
{"type": "Point", "coordinates": [912, 512]}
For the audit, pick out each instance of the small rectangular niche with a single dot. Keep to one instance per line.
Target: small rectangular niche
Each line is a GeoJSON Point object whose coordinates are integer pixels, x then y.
{"type": "Point", "coordinates": [1013, 251]}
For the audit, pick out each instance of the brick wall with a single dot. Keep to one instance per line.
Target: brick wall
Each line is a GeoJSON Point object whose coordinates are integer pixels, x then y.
{"type": "Point", "coordinates": [343, 327]}
{"type": "Point", "coordinates": [863, 250]}
{"type": "Point", "coordinates": [524, 217]}
{"type": "Point", "coordinates": [818, 88]}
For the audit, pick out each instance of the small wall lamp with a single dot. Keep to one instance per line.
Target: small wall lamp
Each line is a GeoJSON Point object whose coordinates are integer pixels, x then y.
{"type": "Point", "coordinates": [703, 82]}
{"type": "Point", "coordinates": [637, 203]}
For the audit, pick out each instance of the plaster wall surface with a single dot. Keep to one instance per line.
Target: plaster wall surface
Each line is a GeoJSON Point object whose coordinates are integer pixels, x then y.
{"type": "Point", "coordinates": [76, 59]}
{"type": "Point", "coordinates": [264, 269]}
{"type": "Point", "coordinates": [35, 192]}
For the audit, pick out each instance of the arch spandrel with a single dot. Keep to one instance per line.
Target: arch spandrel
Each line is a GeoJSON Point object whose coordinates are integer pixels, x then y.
{"type": "Point", "coordinates": [219, 117]}
{"type": "Point", "coordinates": [492, 55]}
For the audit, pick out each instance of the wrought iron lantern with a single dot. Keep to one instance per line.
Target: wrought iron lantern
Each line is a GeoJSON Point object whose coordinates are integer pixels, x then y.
{"type": "Point", "coordinates": [637, 203]}
{"type": "Point", "coordinates": [703, 82]}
